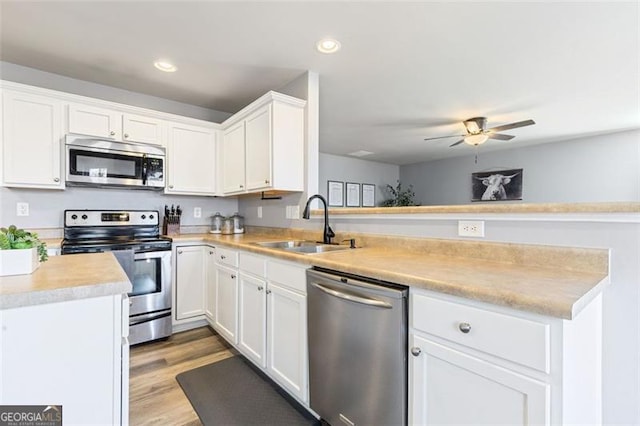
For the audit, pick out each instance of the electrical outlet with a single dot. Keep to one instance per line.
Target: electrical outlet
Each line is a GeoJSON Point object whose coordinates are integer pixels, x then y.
{"type": "Point", "coordinates": [259, 212]}
{"type": "Point", "coordinates": [295, 212]}
{"type": "Point", "coordinates": [471, 228]}
{"type": "Point", "coordinates": [22, 209]}
{"type": "Point", "coordinates": [197, 212]}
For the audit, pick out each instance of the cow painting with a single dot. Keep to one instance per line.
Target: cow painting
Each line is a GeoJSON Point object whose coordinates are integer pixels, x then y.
{"type": "Point", "coordinates": [497, 186]}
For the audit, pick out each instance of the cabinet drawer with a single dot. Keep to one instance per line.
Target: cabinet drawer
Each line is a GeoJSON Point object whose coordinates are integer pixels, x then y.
{"type": "Point", "coordinates": [256, 265]}
{"type": "Point", "coordinates": [515, 339]}
{"type": "Point", "coordinates": [227, 257]}
{"type": "Point", "coordinates": [287, 274]}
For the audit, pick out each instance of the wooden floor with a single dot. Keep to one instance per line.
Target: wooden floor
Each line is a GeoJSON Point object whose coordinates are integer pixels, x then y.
{"type": "Point", "coordinates": [155, 397]}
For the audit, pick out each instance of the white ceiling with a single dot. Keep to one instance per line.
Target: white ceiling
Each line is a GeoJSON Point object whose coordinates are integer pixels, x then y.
{"type": "Point", "coordinates": [406, 71]}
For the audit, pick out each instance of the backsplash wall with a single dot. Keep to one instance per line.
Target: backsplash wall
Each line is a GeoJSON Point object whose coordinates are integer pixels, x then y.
{"type": "Point", "coordinates": [46, 207]}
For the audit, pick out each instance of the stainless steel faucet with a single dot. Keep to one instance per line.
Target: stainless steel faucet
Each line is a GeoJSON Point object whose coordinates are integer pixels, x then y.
{"type": "Point", "coordinates": [328, 233]}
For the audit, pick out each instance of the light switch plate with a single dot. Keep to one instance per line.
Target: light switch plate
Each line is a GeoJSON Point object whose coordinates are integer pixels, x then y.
{"type": "Point", "coordinates": [22, 209]}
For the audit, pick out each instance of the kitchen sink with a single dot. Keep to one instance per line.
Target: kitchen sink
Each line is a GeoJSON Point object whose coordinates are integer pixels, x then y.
{"type": "Point", "coordinates": [301, 246]}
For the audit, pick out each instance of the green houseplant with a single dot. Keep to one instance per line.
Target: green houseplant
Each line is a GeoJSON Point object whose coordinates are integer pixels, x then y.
{"type": "Point", "coordinates": [20, 251]}
{"type": "Point", "coordinates": [399, 197]}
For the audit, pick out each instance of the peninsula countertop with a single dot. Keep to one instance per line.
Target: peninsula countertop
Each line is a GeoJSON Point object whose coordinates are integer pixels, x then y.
{"type": "Point", "coordinates": [64, 278]}
{"type": "Point", "coordinates": [528, 285]}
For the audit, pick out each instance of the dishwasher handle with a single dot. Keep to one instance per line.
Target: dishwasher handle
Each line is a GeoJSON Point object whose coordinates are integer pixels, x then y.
{"type": "Point", "coordinates": [352, 297]}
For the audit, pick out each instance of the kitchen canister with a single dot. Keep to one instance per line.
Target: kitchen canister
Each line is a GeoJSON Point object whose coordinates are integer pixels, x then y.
{"type": "Point", "coordinates": [216, 223]}
{"type": "Point", "coordinates": [238, 223]}
{"type": "Point", "coordinates": [227, 226]}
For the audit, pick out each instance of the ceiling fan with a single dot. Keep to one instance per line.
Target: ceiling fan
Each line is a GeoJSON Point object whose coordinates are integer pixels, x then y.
{"type": "Point", "coordinates": [477, 132]}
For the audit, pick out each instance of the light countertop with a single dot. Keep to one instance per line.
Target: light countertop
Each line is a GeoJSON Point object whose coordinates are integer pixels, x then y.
{"type": "Point", "coordinates": [524, 283]}
{"type": "Point", "coordinates": [64, 278]}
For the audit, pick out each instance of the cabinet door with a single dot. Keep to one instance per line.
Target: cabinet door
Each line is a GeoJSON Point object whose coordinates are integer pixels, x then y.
{"type": "Point", "coordinates": [191, 160]}
{"type": "Point", "coordinates": [233, 161]}
{"type": "Point", "coordinates": [287, 339]}
{"type": "Point", "coordinates": [210, 304]}
{"type": "Point", "coordinates": [252, 317]}
{"type": "Point", "coordinates": [226, 308]}
{"type": "Point", "coordinates": [259, 152]}
{"type": "Point", "coordinates": [190, 279]}
{"type": "Point", "coordinates": [450, 387]}
{"type": "Point", "coordinates": [137, 128]}
{"type": "Point", "coordinates": [92, 121]}
{"type": "Point", "coordinates": [31, 146]}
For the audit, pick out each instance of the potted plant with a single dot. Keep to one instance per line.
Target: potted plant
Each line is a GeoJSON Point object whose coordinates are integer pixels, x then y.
{"type": "Point", "coordinates": [399, 197]}
{"type": "Point", "coordinates": [20, 251]}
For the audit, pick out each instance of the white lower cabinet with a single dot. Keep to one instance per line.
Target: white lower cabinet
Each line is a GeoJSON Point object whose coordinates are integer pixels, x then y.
{"type": "Point", "coordinates": [210, 283]}
{"type": "Point", "coordinates": [73, 354]}
{"type": "Point", "coordinates": [226, 303]}
{"type": "Point", "coordinates": [190, 281]}
{"type": "Point", "coordinates": [474, 363]}
{"type": "Point", "coordinates": [252, 312]}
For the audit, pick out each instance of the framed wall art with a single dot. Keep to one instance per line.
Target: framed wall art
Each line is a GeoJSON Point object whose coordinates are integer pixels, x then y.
{"type": "Point", "coordinates": [368, 195]}
{"type": "Point", "coordinates": [353, 194]}
{"type": "Point", "coordinates": [500, 185]}
{"type": "Point", "coordinates": [335, 193]}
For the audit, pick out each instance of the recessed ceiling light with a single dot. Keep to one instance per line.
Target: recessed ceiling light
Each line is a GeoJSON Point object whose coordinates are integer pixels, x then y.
{"type": "Point", "coordinates": [165, 66]}
{"type": "Point", "coordinates": [360, 153]}
{"type": "Point", "coordinates": [328, 45]}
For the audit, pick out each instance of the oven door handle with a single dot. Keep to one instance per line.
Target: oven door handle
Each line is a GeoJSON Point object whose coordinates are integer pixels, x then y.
{"type": "Point", "coordinates": [140, 319]}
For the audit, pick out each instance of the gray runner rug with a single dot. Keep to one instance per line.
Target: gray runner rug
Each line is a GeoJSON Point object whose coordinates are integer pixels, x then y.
{"type": "Point", "coordinates": [233, 392]}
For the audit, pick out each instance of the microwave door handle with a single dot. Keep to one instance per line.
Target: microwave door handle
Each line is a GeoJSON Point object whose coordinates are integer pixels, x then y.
{"type": "Point", "coordinates": [144, 169]}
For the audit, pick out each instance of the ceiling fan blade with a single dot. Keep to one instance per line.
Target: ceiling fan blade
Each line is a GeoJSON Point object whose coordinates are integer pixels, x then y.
{"type": "Point", "coordinates": [512, 126]}
{"type": "Point", "coordinates": [443, 137]}
{"type": "Point", "coordinates": [500, 136]}
{"type": "Point", "coordinates": [457, 143]}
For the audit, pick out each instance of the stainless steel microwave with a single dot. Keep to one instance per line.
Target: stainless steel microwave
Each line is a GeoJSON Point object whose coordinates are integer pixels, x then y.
{"type": "Point", "coordinates": [99, 162]}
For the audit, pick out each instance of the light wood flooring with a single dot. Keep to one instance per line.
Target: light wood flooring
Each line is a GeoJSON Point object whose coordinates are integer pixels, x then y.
{"type": "Point", "coordinates": [155, 397]}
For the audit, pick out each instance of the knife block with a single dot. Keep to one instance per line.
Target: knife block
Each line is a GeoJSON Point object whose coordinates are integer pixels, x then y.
{"type": "Point", "coordinates": [170, 228]}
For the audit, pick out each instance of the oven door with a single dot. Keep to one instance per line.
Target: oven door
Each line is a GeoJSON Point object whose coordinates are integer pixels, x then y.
{"type": "Point", "coordinates": [150, 277]}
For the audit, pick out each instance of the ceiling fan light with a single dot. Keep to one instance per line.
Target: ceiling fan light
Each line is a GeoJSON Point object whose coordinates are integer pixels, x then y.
{"type": "Point", "coordinates": [472, 127]}
{"type": "Point", "coordinates": [476, 140]}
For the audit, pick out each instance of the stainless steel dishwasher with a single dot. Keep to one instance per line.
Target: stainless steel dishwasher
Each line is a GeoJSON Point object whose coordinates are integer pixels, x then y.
{"type": "Point", "coordinates": [357, 330]}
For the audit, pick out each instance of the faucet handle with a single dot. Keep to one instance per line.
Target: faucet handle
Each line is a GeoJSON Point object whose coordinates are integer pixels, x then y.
{"type": "Point", "coordinates": [352, 242]}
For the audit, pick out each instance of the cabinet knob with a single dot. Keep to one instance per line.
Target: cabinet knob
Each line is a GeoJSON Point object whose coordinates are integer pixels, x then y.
{"type": "Point", "coordinates": [112, 133]}
{"type": "Point", "coordinates": [266, 181]}
{"type": "Point", "coordinates": [126, 135]}
{"type": "Point", "coordinates": [223, 257]}
{"type": "Point", "coordinates": [170, 186]}
{"type": "Point", "coordinates": [233, 277]}
{"type": "Point", "coordinates": [210, 252]}
{"type": "Point", "coordinates": [179, 251]}
{"type": "Point", "coordinates": [56, 179]}
{"type": "Point", "coordinates": [130, 302]}
{"type": "Point", "coordinates": [241, 186]}
{"type": "Point", "coordinates": [465, 327]}
{"type": "Point", "coordinates": [415, 351]}
{"type": "Point", "coordinates": [260, 288]}
{"type": "Point", "coordinates": [268, 291]}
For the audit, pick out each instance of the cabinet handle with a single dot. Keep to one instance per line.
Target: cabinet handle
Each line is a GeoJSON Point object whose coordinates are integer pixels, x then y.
{"type": "Point", "coordinates": [223, 257]}
{"type": "Point", "coordinates": [126, 135]}
{"type": "Point", "coordinates": [233, 277]}
{"type": "Point", "coordinates": [465, 327]}
{"type": "Point", "coordinates": [260, 288]}
{"type": "Point", "coordinates": [112, 133]}
{"type": "Point", "coordinates": [268, 291]}
{"type": "Point", "coordinates": [415, 351]}
{"type": "Point", "coordinates": [56, 179]}
{"type": "Point", "coordinates": [179, 251]}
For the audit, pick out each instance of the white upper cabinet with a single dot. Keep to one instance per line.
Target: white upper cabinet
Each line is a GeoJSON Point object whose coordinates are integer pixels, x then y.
{"type": "Point", "coordinates": [32, 130]}
{"type": "Point", "coordinates": [191, 160]}
{"type": "Point", "coordinates": [269, 134]}
{"type": "Point", "coordinates": [111, 124]}
{"type": "Point", "coordinates": [233, 161]}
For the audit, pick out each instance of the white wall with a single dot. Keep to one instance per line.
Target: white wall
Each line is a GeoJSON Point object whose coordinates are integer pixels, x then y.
{"type": "Point", "coordinates": [349, 169]}
{"type": "Point", "coordinates": [593, 169]}
{"type": "Point", "coordinates": [47, 80]}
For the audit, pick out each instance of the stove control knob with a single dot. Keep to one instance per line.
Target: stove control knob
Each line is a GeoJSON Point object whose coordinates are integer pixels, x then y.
{"type": "Point", "coordinates": [144, 216]}
{"type": "Point", "coordinates": [85, 217]}
{"type": "Point", "coordinates": [74, 216]}
{"type": "Point", "coordinates": [150, 216]}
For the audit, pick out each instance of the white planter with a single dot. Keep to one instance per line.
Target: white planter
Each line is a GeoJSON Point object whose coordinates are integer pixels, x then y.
{"type": "Point", "coordinates": [18, 262]}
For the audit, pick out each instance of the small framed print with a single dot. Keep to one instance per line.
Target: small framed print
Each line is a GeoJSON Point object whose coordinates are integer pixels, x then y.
{"type": "Point", "coordinates": [335, 193]}
{"type": "Point", "coordinates": [368, 195]}
{"type": "Point", "coordinates": [353, 194]}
